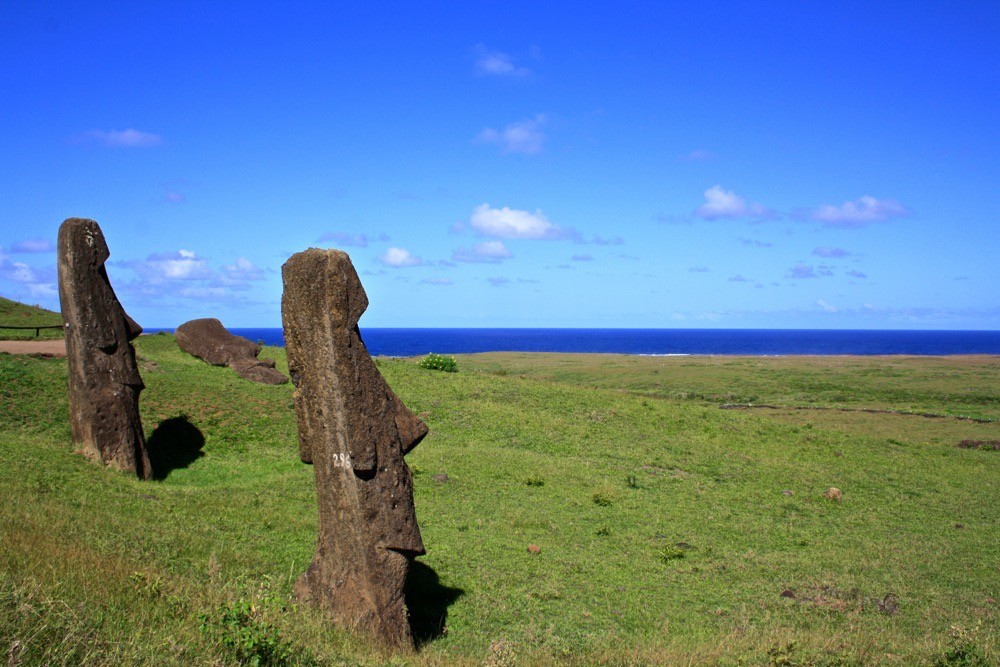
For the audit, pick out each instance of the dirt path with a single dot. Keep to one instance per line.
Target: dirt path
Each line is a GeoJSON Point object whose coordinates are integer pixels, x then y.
{"type": "Point", "coordinates": [52, 348]}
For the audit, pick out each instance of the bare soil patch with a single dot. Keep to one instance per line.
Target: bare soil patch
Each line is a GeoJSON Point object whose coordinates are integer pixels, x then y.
{"type": "Point", "coordinates": [48, 348]}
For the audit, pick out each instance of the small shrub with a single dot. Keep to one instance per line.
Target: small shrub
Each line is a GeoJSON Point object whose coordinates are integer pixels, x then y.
{"type": "Point", "coordinates": [671, 553]}
{"type": "Point", "coordinates": [965, 650]}
{"type": "Point", "coordinates": [249, 639]}
{"type": "Point", "coordinates": [535, 480]}
{"type": "Point", "coordinates": [605, 496]}
{"type": "Point", "coordinates": [439, 362]}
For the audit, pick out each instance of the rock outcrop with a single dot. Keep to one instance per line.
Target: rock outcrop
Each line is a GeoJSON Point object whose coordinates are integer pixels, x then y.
{"type": "Point", "coordinates": [104, 381]}
{"type": "Point", "coordinates": [207, 339]}
{"type": "Point", "coordinates": [355, 431]}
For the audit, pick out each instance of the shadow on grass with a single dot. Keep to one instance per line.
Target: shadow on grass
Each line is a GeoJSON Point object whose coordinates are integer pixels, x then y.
{"type": "Point", "coordinates": [176, 443]}
{"type": "Point", "coordinates": [427, 601]}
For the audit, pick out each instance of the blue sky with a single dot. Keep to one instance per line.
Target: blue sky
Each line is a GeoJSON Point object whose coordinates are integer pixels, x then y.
{"type": "Point", "coordinates": [731, 164]}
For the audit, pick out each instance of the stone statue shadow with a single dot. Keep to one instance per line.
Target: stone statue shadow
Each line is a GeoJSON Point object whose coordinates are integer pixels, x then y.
{"type": "Point", "coordinates": [176, 443]}
{"type": "Point", "coordinates": [427, 601]}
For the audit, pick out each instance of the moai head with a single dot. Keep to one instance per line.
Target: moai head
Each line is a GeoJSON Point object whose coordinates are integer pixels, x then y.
{"type": "Point", "coordinates": [104, 380]}
{"type": "Point", "coordinates": [355, 431]}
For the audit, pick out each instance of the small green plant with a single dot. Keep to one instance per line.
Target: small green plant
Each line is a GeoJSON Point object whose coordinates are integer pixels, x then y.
{"type": "Point", "coordinates": [439, 362]}
{"type": "Point", "coordinates": [632, 481]}
{"type": "Point", "coordinates": [535, 480]}
{"type": "Point", "coordinates": [671, 553]}
{"type": "Point", "coordinates": [965, 649]}
{"type": "Point", "coordinates": [605, 496]}
{"type": "Point", "coordinates": [249, 639]}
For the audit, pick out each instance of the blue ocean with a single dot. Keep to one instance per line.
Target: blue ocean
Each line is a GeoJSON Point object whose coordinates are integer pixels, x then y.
{"type": "Point", "coordinates": [413, 342]}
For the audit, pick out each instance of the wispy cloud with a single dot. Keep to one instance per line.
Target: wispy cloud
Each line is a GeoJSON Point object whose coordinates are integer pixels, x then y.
{"type": "Point", "coordinates": [698, 269]}
{"type": "Point", "coordinates": [32, 246]}
{"type": "Point", "coordinates": [698, 155]}
{"type": "Point", "coordinates": [524, 136]}
{"type": "Point", "coordinates": [498, 281]}
{"type": "Point", "coordinates": [859, 213]}
{"type": "Point", "coordinates": [40, 282]}
{"type": "Point", "coordinates": [738, 278]}
{"type": "Point", "coordinates": [801, 271]}
{"type": "Point", "coordinates": [492, 252]}
{"type": "Point", "coordinates": [174, 265]}
{"type": "Point", "coordinates": [437, 281]}
{"type": "Point", "coordinates": [582, 258]}
{"type": "Point", "coordinates": [721, 203]}
{"type": "Point", "coordinates": [243, 269]}
{"type": "Point", "coordinates": [398, 258]}
{"type": "Point", "coordinates": [498, 63]}
{"type": "Point", "coordinates": [857, 274]}
{"type": "Point", "coordinates": [827, 251]}
{"type": "Point", "coordinates": [756, 244]}
{"type": "Point", "coordinates": [122, 138]}
{"type": "Point", "coordinates": [600, 240]}
{"type": "Point", "coordinates": [509, 223]}
{"type": "Point", "coordinates": [355, 240]}
{"type": "Point", "coordinates": [826, 307]}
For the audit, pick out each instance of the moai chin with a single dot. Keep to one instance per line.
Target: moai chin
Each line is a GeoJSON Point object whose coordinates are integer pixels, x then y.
{"type": "Point", "coordinates": [104, 381]}
{"type": "Point", "coordinates": [355, 431]}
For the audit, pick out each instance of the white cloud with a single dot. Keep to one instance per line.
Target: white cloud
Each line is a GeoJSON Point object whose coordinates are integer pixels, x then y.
{"type": "Point", "coordinates": [509, 223]}
{"type": "Point", "coordinates": [497, 63]}
{"type": "Point", "coordinates": [825, 306]}
{"type": "Point", "coordinates": [123, 138]}
{"type": "Point", "coordinates": [489, 251]}
{"type": "Point", "coordinates": [40, 283]}
{"type": "Point", "coordinates": [721, 203]}
{"type": "Point", "coordinates": [860, 212]}
{"type": "Point", "coordinates": [525, 136]}
{"type": "Point", "coordinates": [243, 269]}
{"type": "Point", "coordinates": [179, 265]}
{"type": "Point", "coordinates": [398, 258]}
{"type": "Point", "coordinates": [738, 278]}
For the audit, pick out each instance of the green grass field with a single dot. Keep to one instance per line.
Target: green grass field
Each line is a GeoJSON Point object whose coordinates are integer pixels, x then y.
{"type": "Point", "coordinates": [14, 314]}
{"type": "Point", "coordinates": [672, 531]}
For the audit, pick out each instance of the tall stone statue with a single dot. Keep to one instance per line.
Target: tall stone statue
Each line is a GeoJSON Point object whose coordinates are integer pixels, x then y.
{"type": "Point", "coordinates": [355, 431]}
{"type": "Point", "coordinates": [104, 382]}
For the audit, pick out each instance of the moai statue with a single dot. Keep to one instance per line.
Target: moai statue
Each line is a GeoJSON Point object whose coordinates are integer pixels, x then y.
{"type": "Point", "coordinates": [355, 431]}
{"type": "Point", "coordinates": [104, 382]}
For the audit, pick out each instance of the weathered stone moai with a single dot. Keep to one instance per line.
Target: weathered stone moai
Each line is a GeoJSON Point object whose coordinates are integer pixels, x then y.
{"type": "Point", "coordinates": [355, 431]}
{"type": "Point", "coordinates": [207, 339]}
{"type": "Point", "coordinates": [104, 381]}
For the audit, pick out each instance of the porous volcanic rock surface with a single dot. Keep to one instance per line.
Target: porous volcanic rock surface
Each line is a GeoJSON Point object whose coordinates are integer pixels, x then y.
{"type": "Point", "coordinates": [355, 431]}
{"type": "Point", "coordinates": [208, 340]}
{"type": "Point", "coordinates": [104, 381]}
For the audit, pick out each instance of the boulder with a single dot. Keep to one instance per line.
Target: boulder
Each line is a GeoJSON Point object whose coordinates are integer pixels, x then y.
{"type": "Point", "coordinates": [355, 431]}
{"type": "Point", "coordinates": [208, 340]}
{"type": "Point", "coordinates": [104, 380]}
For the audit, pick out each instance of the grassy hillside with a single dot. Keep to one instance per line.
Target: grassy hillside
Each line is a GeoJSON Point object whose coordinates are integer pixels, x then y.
{"type": "Point", "coordinates": [13, 313]}
{"type": "Point", "coordinates": [671, 531]}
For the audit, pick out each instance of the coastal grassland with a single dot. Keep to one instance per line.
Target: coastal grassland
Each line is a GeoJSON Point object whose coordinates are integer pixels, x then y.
{"type": "Point", "coordinates": [17, 314]}
{"type": "Point", "coordinates": [670, 531]}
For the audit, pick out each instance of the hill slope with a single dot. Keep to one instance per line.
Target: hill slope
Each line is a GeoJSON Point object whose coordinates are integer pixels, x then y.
{"type": "Point", "coordinates": [16, 314]}
{"type": "Point", "coordinates": [671, 532]}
